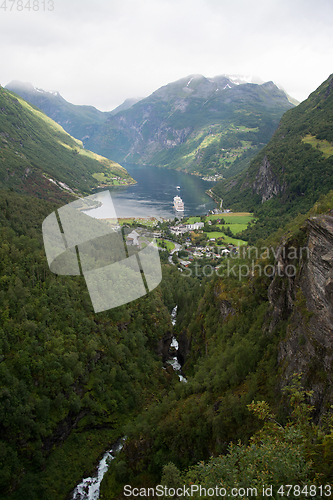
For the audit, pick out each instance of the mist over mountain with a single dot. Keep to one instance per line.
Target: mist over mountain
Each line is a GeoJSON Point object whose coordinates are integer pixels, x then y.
{"type": "Point", "coordinates": [79, 121]}
{"type": "Point", "coordinates": [128, 103]}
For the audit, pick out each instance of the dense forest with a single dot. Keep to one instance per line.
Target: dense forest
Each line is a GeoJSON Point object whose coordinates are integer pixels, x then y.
{"type": "Point", "coordinates": [64, 370]}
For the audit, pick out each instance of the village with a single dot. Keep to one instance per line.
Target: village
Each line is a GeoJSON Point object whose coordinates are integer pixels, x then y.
{"type": "Point", "coordinates": [189, 240]}
{"type": "Point", "coordinates": [183, 241]}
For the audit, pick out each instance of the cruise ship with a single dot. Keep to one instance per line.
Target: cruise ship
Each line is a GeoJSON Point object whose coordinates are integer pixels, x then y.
{"type": "Point", "coordinates": [178, 204]}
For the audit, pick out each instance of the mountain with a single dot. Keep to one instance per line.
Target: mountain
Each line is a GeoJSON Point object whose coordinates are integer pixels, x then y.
{"type": "Point", "coordinates": [128, 103]}
{"type": "Point", "coordinates": [195, 124]}
{"type": "Point", "coordinates": [293, 169]}
{"type": "Point", "coordinates": [38, 157]}
{"type": "Point", "coordinates": [200, 125]}
{"type": "Point", "coordinates": [78, 121]}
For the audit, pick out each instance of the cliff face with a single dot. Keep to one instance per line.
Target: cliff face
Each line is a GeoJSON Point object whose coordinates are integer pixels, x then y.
{"type": "Point", "coordinates": [301, 304]}
{"type": "Point", "coordinates": [305, 300]}
{"type": "Point", "coordinates": [266, 183]}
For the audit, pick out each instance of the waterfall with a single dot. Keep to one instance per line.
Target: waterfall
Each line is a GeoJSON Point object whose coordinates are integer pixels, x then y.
{"type": "Point", "coordinates": [88, 489]}
{"type": "Point", "coordinates": [174, 361]}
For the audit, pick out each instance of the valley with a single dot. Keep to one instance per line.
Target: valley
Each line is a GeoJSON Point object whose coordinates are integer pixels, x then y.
{"type": "Point", "coordinates": [205, 127]}
{"type": "Point", "coordinates": [246, 293]}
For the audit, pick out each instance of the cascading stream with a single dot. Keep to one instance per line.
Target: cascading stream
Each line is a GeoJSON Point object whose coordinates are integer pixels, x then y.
{"type": "Point", "coordinates": [89, 487]}
{"type": "Point", "coordinates": [174, 361]}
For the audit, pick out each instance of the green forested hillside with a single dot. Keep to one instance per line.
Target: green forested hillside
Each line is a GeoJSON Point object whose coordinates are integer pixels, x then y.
{"type": "Point", "coordinates": [78, 121]}
{"type": "Point", "coordinates": [72, 381]}
{"type": "Point", "coordinates": [293, 170]}
{"type": "Point", "coordinates": [36, 154]}
{"type": "Point", "coordinates": [69, 378]}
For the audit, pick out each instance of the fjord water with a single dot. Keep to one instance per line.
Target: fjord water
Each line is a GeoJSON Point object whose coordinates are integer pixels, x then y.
{"type": "Point", "coordinates": [154, 192]}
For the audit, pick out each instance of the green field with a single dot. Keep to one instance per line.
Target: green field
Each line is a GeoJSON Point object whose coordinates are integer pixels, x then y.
{"type": "Point", "coordinates": [235, 228]}
{"type": "Point", "coordinates": [324, 146]}
{"type": "Point", "coordinates": [226, 239]}
{"type": "Point", "coordinates": [169, 245]}
{"type": "Point", "coordinates": [237, 222]}
{"type": "Point", "coordinates": [234, 218]}
{"type": "Point", "coordinates": [131, 221]}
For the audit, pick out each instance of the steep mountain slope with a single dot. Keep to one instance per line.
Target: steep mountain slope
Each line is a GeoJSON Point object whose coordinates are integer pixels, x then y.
{"type": "Point", "coordinates": [38, 157]}
{"type": "Point", "coordinates": [78, 121]}
{"type": "Point", "coordinates": [294, 169]}
{"type": "Point", "coordinates": [195, 124]}
{"type": "Point", "coordinates": [242, 339]}
{"type": "Point", "coordinates": [69, 378]}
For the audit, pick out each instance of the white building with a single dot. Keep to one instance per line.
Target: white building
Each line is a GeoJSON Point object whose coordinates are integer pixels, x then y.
{"type": "Point", "coordinates": [195, 225]}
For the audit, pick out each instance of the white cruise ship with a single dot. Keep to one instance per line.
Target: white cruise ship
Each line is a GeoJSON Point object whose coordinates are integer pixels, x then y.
{"type": "Point", "coordinates": [178, 204]}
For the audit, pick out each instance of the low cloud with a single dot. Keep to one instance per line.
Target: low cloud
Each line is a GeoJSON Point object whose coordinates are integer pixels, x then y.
{"type": "Point", "coordinates": [103, 52]}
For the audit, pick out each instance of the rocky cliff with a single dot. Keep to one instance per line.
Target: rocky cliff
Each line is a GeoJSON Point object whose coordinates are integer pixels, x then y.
{"type": "Point", "coordinates": [299, 311]}
{"type": "Point", "coordinates": [301, 293]}
{"type": "Point", "coordinates": [266, 183]}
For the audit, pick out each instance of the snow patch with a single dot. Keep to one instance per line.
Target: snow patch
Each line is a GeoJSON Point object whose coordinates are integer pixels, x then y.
{"type": "Point", "coordinates": [41, 91]}
{"type": "Point", "coordinates": [240, 79]}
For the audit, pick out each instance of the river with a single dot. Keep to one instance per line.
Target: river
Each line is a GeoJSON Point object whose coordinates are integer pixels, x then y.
{"type": "Point", "coordinates": [154, 192]}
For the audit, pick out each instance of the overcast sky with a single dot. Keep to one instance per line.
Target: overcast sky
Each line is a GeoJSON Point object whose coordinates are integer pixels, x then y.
{"type": "Point", "coordinates": [100, 52]}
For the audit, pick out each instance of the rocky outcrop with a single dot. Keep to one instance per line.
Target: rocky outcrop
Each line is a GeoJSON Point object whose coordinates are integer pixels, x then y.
{"type": "Point", "coordinates": [163, 346]}
{"type": "Point", "coordinates": [226, 309]}
{"type": "Point", "coordinates": [303, 297]}
{"type": "Point", "coordinates": [266, 182]}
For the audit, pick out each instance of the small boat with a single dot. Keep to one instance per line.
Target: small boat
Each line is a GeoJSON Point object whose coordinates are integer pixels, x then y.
{"type": "Point", "coordinates": [177, 187]}
{"type": "Point", "coordinates": [178, 204]}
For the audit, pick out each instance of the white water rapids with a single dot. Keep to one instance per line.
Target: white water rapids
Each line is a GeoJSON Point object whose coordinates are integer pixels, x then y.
{"type": "Point", "coordinates": [174, 361]}
{"type": "Point", "coordinates": [88, 489]}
